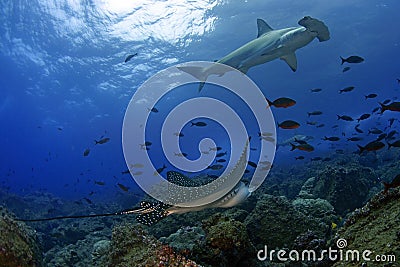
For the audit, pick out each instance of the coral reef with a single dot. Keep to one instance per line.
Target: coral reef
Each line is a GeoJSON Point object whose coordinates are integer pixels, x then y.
{"type": "Point", "coordinates": [18, 243]}
{"type": "Point", "coordinates": [131, 245]}
{"type": "Point", "coordinates": [346, 188]}
{"type": "Point", "coordinates": [374, 227]}
{"type": "Point", "coordinates": [264, 224]}
{"type": "Point", "coordinates": [227, 243]}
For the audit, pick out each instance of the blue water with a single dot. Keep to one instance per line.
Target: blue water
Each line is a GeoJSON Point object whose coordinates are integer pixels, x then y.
{"type": "Point", "coordinates": [64, 82]}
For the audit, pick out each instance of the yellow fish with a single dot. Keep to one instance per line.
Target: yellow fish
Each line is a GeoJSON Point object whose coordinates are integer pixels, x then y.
{"type": "Point", "coordinates": [333, 226]}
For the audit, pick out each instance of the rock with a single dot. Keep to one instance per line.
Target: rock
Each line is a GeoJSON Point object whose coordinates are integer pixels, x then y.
{"type": "Point", "coordinates": [18, 243]}
{"type": "Point", "coordinates": [275, 222]}
{"type": "Point", "coordinates": [346, 188]}
{"type": "Point", "coordinates": [374, 227]}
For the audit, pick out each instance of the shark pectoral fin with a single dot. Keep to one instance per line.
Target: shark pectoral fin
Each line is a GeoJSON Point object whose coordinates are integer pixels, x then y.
{"type": "Point", "coordinates": [291, 60]}
{"type": "Point", "coordinates": [197, 72]}
{"type": "Point", "coordinates": [263, 27]}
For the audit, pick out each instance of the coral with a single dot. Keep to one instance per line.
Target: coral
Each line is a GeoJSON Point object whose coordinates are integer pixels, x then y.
{"type": "Point", "coordinates": [131, 245]}
{"type": "Point", "coordinates": [266, 221]}
{"type": "Point", "coordinates": [227, 243]}
{"type": "Point", "coordinates": [374, 227]}
{"type": "Point", "coordinates": [185, 238]}
{"type": "Point", "coordinates": [346, 188]}
{"type": "Point", "coordinates": [18, 244]}
{"type": "Point", "coordinates": [100, 252]}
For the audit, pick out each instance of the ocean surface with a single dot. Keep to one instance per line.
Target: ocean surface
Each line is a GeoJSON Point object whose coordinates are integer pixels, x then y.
{"type": "Point", "coordinates": [64, 84]}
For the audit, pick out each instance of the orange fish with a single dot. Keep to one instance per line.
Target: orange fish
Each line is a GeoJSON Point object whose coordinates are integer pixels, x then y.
{"type": "Point", "coordinates": [303, 147]}
{"type": "Point", "coordinates": [371, 146]}
{"type": "Point", "coordinates": [289, 124]}
{"type": "Point", "coordinates": [394, 106]}
{"type": "Point", "coordinates": [282, 102]}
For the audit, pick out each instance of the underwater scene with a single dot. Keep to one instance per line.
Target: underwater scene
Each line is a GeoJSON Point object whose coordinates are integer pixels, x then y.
{"type": "Point", "coordinates": [200, 133]}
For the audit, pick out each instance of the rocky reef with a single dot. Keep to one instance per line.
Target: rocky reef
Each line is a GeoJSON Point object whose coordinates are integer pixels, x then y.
{"type": "Point", "coordinates": [345, 187]}
{"type": "Point", "coordinates": [374, 227]}
{"type": "Point", "coordinates": [18, 243]}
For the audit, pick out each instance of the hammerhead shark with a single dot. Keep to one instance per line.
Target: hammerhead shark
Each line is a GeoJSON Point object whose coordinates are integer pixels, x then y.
{"type": "Point", "coordinates": [270, 44]}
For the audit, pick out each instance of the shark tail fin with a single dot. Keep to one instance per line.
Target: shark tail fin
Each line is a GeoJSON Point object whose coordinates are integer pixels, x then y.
{"type": "Point", "coordinates": [316, 25]}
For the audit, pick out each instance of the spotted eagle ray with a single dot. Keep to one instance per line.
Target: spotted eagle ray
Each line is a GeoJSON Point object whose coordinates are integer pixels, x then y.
{"type": "Point", "coordinates": [150, 213]}
{"type": "Point", "coordinates": [269, 45]}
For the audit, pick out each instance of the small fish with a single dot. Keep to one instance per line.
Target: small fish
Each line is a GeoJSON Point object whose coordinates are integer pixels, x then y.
{"type": "Point", "coordinates": [220, 154]}
{"type": "Point", "coordinates": [394, 106]}
{"type": "Point", "coordinates": [265, 134]}
{"type": "Point", "coordinates": [299, 158]}
{"type": "Point", "coordinates": [179, 134]}
{"type": "Point", "coordinates": [320, 125]}
{"type": "Point", "coordinates": [153, 109]}
{"type": "Point", "coordinates": [252, 164]}
{"type": "Point", "coordinates": [347, 89]}
{"type": "Point", "coordinates": [160, 170]}
{"type": "Point", "coordinates": [86, 152]}
{"type": "Point", "coordinates": [221, 160]}
{"type": "Point", "coordinates": [381, 137]}
{"type": "Point", "coordinates": [375, 109]}
{"type": "Point", "coordinates": [205, 152]}
{"type": "Point", "coordinates": [102, 141]}
{"type": "Point", "coordinates": [370, 96]}
{"type": "Point", "coordinates": [289, 124]}
{"type": "Point", "coordinates": [335, 126]}
{"type": "Point", "coordinates": [314, 113]}
{"type": "Point", "coordinates": [333, 226]}
{"type": "Point", "coordinates": [352, 59]}
{"type": "Point", "coordinates": [282, 102]}
{"type": "Point", "coordinates": [326, 159]}
{"type": "Point", "coordinates": [199, 124]}
{"type": "Point", "coordinates": [371, 146]}
{"type": "Point", "coordinates": [99, 183]}
{"type": "Point", "coordinates": [268, 138]}
{"type": "Point", "coordinates": [395, 183]}
{"type": "Point", "coordinates": [363, 117]}
{"type": "Point", "coordinates": [358, 130]}
{"type": "Point", "coordinates": [345, 118]}
{"type": "Point", "coordinates": [375, 131]}
{"type": "Point", "coordinates": [123, 187]}
{"type": "Point", "coordinates": [315, 90]}
{"type": "Point", "coordinates": [316, 159]}
{"type": "Point", "coordinates": [303, 147]}
{"type": "Point", "coordinates": [331, 138]}
{"type": "Point", "coordinates": [312, 123]}
{"type": "Point", "coordinates": [136, 165]}
{"type": "Point", "coordinates": [137, 173]}
{"type": "Point", "coordinates": [386, 101]}
{"type": "Point", "coordinates": [213, 176]}
{"type": "Point", "coordinates": [129, 57]}
{"type": "Point", "coordinates": [354, 139]}
{"type": "Point", "coordinates": [215, 167]}
{"type": "Point", "coordinates": [391, 121]}
{"type": "Point", "coordinates": [180, 154]}
{"type": "Point", "coordinates": [146, 145]}
{"type": "Point", "coordinates": [126, 171]}
{"type": "Point", "coordinates": [394, 144]}
{"type": "Point", "coordinates": [346, 69]}
{"type": "Point", "coordinates": [391, 134]}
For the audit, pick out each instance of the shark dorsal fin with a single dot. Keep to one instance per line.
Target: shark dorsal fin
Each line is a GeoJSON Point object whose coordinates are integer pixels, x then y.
{"type": "Point", "coordinates": [263, 27]}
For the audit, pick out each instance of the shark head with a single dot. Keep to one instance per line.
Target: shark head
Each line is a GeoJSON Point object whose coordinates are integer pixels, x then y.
{"type": "Point", "coordinates": [316, 26]}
